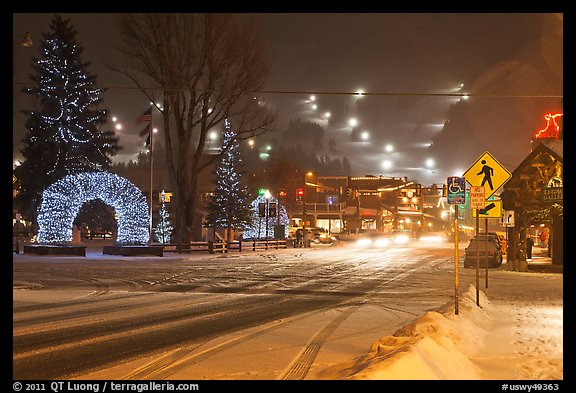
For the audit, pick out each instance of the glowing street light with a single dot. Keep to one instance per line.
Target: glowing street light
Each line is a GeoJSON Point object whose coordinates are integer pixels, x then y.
{"type": "Point", "coordinates": [430, 163]}
{"type": "Point", "coordinates": [352, 122]}
{"type": "Point", "coordinates": [365, 136]}
{"type": "Point", "coordinates": [389, 148]}
{"type": "Point", "coordinates": [386, 164]}
{"type": "Point", "coordinates": [327, 115]}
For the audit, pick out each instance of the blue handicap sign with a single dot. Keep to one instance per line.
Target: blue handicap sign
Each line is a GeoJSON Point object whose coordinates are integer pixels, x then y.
{"type": "Point", "coordinates": [456, 187]}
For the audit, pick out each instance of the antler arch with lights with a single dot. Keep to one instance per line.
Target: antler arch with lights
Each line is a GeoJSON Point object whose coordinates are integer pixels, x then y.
{"type": "Point", "coordinates": [62, 201]}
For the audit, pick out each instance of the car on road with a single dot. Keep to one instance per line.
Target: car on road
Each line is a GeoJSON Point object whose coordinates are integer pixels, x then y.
{"type": "Point", "coordinates": [487, 248]}
{"type": "Point", "coordinates": [315, 235]}
{"type": "Point", "coordinates": [321, 236]}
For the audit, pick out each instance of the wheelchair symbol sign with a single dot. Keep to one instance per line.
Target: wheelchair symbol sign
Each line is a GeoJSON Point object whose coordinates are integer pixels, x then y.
{"type": "Point", "coordinates": [456, 187]}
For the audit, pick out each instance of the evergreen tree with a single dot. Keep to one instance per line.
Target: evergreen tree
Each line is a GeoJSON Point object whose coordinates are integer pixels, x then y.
{"type": "Point", "coordinates": [163, 230]}
{"type": "Point", "coordinates": [230, 206]}
{"type": "Point", "coordinates": [63, 135]}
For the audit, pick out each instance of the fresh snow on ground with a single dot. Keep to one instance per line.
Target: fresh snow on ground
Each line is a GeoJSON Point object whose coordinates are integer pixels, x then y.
{"type": "Point", "coordinates": [516, 333]}
{"type": "Point", "coordinates": [500, 340]}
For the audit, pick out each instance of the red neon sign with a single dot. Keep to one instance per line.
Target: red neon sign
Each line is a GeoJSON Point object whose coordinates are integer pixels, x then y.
{"type": "Point", "coordinates": [552, 127]}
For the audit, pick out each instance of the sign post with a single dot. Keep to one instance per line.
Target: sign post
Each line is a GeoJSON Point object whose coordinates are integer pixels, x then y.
{"type": "Point", "coordinates": [477, 201]}
{"type": "Point", "coordinates": [493, 209]}
{"type": "Point", "coordinates": [486, 175]}
{"type": "Point", "coordinates": [456, 187]}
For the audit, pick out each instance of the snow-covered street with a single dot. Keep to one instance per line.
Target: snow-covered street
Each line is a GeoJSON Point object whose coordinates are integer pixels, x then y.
{"type": "Point", "coordinates": [320, 313]}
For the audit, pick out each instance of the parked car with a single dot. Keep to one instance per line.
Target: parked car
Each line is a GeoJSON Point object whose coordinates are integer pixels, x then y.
{"type": "Point", "coordinates": [489, 250]}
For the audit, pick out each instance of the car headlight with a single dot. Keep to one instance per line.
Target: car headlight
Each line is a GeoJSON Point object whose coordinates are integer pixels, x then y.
{"type": "Point", "coordinates": [401, 239]}
{"type": "Point", "coordinates": [363, 242]}
{"type": "Point", "coordinates": [381, 242]}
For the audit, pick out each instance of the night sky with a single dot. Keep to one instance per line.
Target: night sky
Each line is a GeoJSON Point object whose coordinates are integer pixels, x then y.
{"type": "Point", "coordinates": [401, 61]}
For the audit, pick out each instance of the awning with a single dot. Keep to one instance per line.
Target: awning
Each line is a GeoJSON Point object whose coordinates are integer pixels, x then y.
{"type": "Point", "coordinates": [364, 211]}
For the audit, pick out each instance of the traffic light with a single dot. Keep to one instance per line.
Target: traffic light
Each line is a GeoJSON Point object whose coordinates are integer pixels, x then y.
{"type": "Point", "coordinates": [261, 209]}
{"type": "Point", "coordinates": [418, 190]}
{"type": "Point", "coordinates": [167, 197]}
{"type": "Point", "coordinates": [282, 193]}
{"type": "Point", "coordinates": [299, 194]}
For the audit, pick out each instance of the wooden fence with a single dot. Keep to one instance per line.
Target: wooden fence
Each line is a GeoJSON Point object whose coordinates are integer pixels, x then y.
{"type": "Point", "coordinates": [224, 246]}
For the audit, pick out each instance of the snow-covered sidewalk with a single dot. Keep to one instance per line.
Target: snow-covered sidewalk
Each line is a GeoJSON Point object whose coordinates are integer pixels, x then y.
{"type": "Point", "coordinates": [516, 333]}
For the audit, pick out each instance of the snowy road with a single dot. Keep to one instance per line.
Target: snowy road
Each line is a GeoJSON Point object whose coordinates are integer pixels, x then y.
{"type": "Point", "coordinates": [276, 314]}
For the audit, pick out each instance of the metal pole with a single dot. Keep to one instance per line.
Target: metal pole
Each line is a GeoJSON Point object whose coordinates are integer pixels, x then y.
{"type": "Point", "coordinates": [486, 248]}
{"type": "Point", "coordinates": [477, 260]}
{"type": "Point", "coordinates": [304, 207]}
{"type": "Point", "coordinates": [266, 218]}
{"type": "Point", "coordinates": [151, 171]}
{"type": "Point", "coordinates": [456, 259]}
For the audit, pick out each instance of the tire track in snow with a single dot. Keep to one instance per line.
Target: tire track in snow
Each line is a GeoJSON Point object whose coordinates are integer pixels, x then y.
{"type": "Point", "coordinates": [298, 369]}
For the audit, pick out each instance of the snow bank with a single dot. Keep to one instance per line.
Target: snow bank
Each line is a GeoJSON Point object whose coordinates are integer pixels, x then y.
{"type": "Point", "coordinates": [433, 346]}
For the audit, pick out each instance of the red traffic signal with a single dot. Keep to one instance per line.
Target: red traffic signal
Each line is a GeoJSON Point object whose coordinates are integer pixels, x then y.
{"type": "Point", "coordinates": [282, 193]}
{"type": "Point", "coordinates": [299, 192]}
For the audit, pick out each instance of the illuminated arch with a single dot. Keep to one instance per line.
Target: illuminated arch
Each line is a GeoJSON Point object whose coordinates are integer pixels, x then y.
{"type": "Point", "coordinates": [62, 201]}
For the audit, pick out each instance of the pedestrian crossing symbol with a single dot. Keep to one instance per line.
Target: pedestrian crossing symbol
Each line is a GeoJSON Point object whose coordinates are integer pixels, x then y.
{"type": "Point", "coordinates": [487, 172]}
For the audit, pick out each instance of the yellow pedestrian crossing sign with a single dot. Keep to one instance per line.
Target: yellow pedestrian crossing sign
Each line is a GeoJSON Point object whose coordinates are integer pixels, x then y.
{"type": "Point", "coordinates": [487, 172]}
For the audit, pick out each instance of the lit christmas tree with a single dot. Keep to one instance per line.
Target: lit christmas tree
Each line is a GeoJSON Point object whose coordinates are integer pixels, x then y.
{"type": "Point", "coordinates": [163, 230]}
{"type": "Point", "coordinates": [229, 207]}
{"type": "Point", "coordinates": [63, 136]}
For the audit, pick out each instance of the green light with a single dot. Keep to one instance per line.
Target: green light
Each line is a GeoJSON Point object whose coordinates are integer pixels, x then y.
{"type": "Point", "coordinates": [261, 191]}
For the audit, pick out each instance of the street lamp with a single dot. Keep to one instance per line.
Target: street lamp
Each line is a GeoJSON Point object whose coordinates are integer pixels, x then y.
{"type": "Point", "coordinates": [308, 174]}
{"type": "Point", "coordinates": [267, 195]}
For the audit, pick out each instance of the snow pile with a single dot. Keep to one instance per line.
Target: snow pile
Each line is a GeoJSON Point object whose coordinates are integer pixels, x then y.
{"type": "Point", "coordinates": [512, 340]}
{"type": "Point", "coordinates": [433, 346]}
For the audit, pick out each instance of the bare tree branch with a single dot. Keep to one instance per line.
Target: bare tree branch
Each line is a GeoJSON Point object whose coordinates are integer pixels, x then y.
{"type": "Point", "coordinates": [204, 64]}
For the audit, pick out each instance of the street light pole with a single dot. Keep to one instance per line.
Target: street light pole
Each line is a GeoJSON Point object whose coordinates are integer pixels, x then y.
{"type": "Point", "coordinates": [151, 172]}
{"type": "Point", "coordinates": [304, 201]}
{"type": "Point", "coordinates": [267, 195]}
